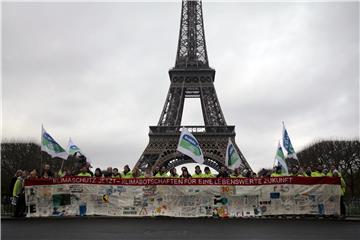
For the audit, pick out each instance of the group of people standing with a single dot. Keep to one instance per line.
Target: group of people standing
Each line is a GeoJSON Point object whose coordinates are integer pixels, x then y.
{"type": "Point", "coordinates": [16, 187]}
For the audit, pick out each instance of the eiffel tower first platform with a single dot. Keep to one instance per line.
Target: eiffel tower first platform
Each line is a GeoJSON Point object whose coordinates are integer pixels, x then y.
{"type": "Point", "coordinates": [190, 78]}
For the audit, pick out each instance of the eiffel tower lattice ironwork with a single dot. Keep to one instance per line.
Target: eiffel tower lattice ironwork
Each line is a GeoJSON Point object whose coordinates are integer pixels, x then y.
{"type": "Point", "coordinates": [190, 78]}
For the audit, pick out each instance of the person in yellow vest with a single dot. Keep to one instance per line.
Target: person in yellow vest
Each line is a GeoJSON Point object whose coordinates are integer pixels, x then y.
{"type": "Point", "coordinates": [207, 173]}
{"type": "Point", "coordinates": [127, 172]}
{"type": "Point", "coordinates": [173, 173]}
{"type": "Point", "coordinates": [302, 173]}
{"type": "Point", "coordinates": [185, 173]}
{"type": "Point", "coordinates": [343, 189]}
{"type": "Point", "coordinates": [277, 172]}
{"type": "Point", "coordinates": [84, 172]}
{"type": "Point", "coordinates": [65, 172]}
{"type": "Point", "coordinates": [325, 171]}
{"type": "Point", "coordinates": [308, 172]}
{"type": "Point", "coordinates": [88, 166]}
{"type": "Point", "coordinates": [115, 173]}
{"type": "Point", "coordinates": [332, 169]}
{"type": "Point", "coordinates": [19, 195]}
{"type": "Point", "coordinates": [156, 170]}
{"type": "Point", "coordinates": [198, 172]}
{"type": "Point", "coordinates": [162, 173]}
{"type": "Point", "coordinates": [294, 171]}
{"type": "Point", "coordinates": [18, 185]}
{"type": "Point", "coordinates": [61, 173]}
{"type": "Point", "coordinates": [318, 172]}
{"type": "Point", "coordinates": [330, 173]}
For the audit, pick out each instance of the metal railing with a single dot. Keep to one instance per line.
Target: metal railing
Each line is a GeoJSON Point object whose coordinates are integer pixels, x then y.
{"type": "Point", "coordinates": [353, 207]}
{"type": "Point", "coordinates": [193, 129]}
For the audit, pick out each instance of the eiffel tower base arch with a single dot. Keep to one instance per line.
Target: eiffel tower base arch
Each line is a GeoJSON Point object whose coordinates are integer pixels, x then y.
{"type": "Point", "coordinates": [161, 150]}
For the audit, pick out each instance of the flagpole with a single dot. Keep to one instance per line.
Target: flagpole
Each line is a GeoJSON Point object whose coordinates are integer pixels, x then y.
{"type": "Point", "coordinates": [275, 155]}
{"type": "Point", "coordinates": [41, 158]}
{"type": "Point", "coordinates": [62, 164]}
{"type": "Point", "coordinates": [288, 152]}
{"type": "Point", "coordinates": [282, 137]}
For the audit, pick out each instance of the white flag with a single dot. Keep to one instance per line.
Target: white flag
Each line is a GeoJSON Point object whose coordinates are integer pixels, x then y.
{"type": "Point", "coordinates": [49, 145]}
{"type": "Point", "coordinates": [280, 159]}
{"type": "Point", "coordinates": [232, 159]}
{"type": "Point", "coordinates": [189, 146]}
{"type": "Point", "coordinates": [72, 149]}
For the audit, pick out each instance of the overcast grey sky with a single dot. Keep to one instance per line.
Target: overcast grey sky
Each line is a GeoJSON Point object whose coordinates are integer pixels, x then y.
{"type": "Point", "coordinates": [98, 72]}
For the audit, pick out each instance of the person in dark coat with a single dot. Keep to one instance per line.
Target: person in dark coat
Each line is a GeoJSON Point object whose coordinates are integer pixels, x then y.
{"type": "Point", "coordinates": [46, 172]}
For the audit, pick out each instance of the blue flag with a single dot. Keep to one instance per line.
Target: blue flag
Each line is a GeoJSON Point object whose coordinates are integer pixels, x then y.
{"type": "Point", "coordinates": [287, 144]}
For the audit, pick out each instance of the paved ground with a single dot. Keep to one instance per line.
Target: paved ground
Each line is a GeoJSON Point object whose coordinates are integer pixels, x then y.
{"type": "Point", "coordinates": [171, 228]}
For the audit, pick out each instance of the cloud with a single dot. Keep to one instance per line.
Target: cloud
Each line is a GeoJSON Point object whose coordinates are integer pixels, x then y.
{"type": "Point", "coordinates": [98, 72]}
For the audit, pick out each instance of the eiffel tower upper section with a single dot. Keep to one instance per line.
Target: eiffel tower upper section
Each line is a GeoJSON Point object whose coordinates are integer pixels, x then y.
{"type": "Point", "coordinates": [191, 77]}
{"type": "Point", "coordinates": [191, 51]}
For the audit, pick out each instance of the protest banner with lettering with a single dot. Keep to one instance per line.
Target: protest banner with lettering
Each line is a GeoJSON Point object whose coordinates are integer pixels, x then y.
{"type": "Point", "coordinates": [183, 197]}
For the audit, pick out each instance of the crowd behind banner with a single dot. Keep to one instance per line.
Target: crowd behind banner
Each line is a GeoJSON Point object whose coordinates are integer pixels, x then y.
{"type": "Point", "coordinates": [83, 169]}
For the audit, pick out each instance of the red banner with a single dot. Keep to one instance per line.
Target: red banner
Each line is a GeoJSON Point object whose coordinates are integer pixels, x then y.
{"type": "Point", "coordinates": [185, 181]}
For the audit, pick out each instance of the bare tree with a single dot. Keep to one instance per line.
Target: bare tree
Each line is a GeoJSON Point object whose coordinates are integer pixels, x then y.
{"type": "Point", "coordinates": [25, 156]}
{"type": "Point", "coordinates": [345, 155]}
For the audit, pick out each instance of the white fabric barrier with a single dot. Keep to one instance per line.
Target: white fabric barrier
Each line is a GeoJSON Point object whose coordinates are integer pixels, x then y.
{"type": "Point", "coordinates": [176, 197]}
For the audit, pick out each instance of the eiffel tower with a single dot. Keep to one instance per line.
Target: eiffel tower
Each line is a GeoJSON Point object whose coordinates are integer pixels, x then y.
{"type": "Point", "coordinates": [190, 78]}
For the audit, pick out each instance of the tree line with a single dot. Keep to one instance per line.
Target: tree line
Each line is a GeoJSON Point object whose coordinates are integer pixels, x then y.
{"type": "Point", "coordinates": [344, 154]}
{"type": "Point", "coordinates": [25, 156]}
